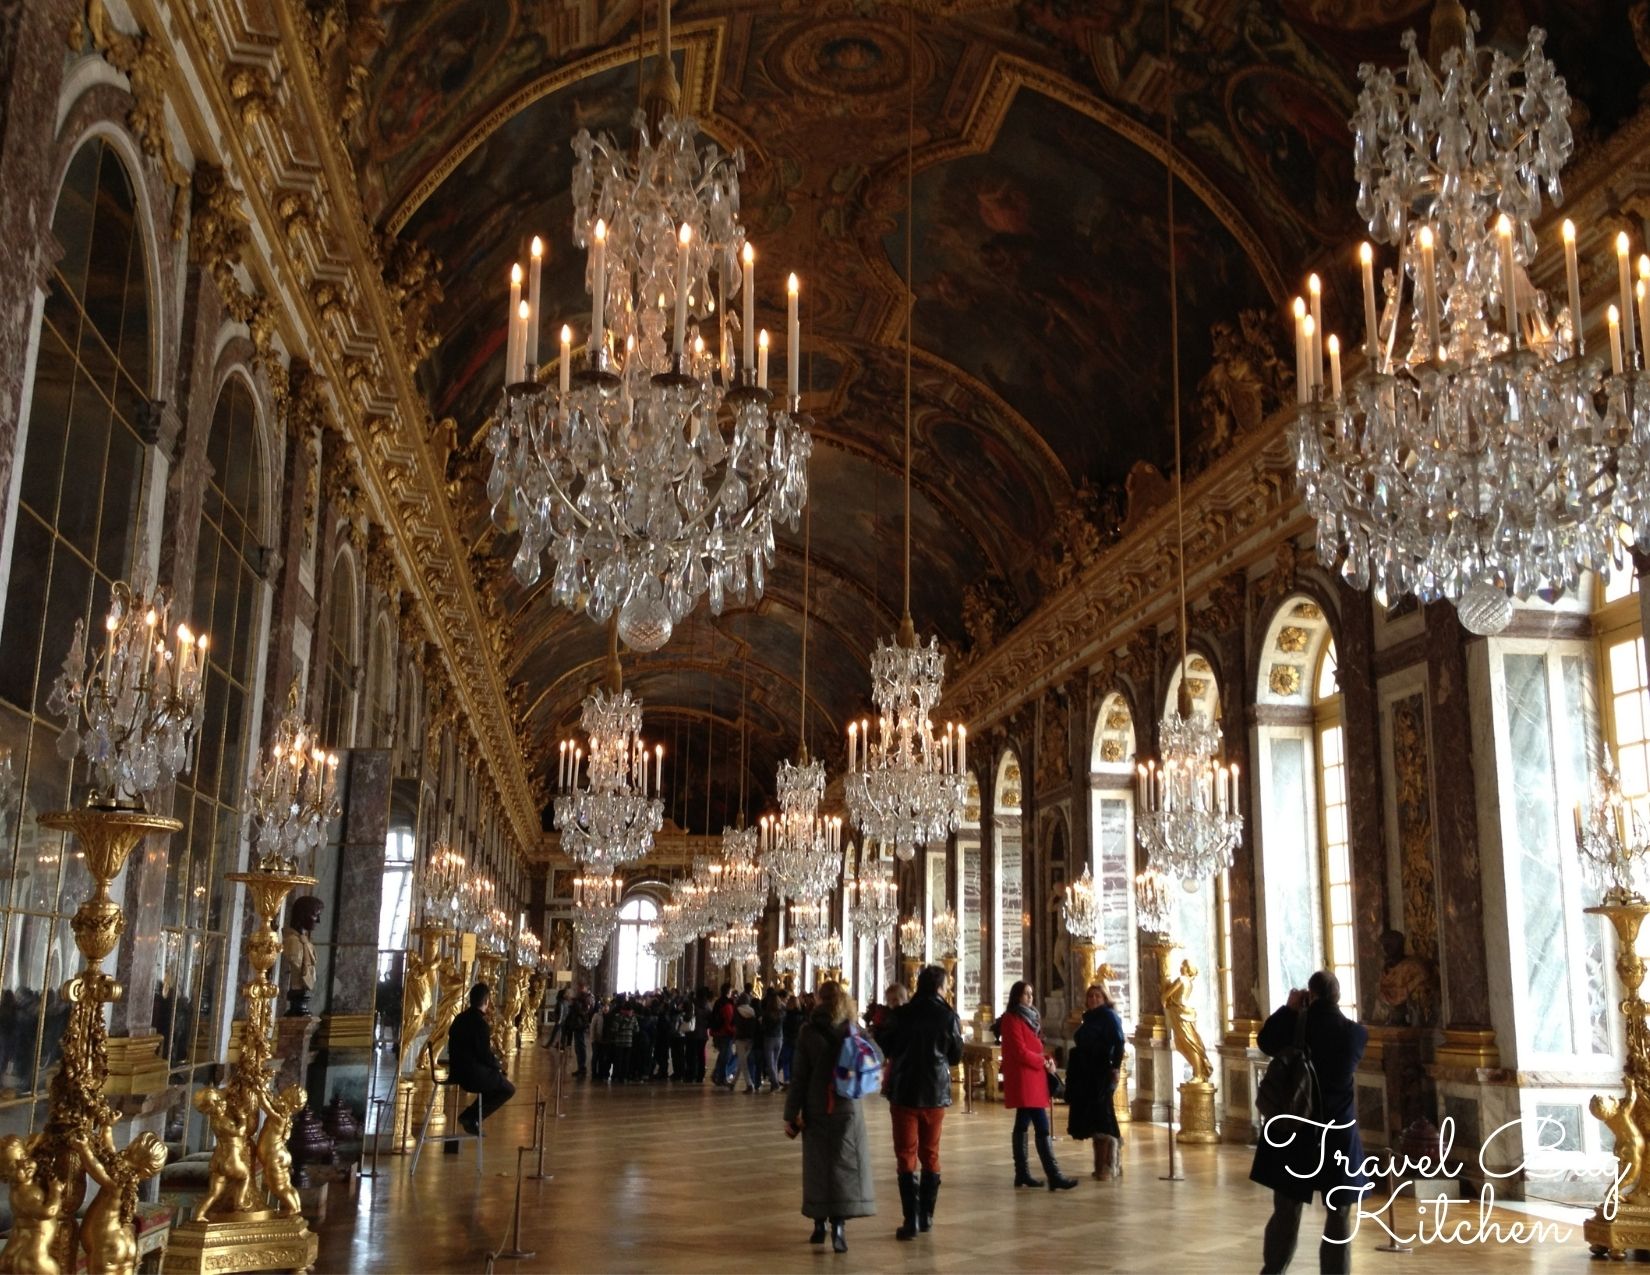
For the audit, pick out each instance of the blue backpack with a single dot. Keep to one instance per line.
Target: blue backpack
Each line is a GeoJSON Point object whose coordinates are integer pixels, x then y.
{"type": "Point", "coordinates": [858, 1071]}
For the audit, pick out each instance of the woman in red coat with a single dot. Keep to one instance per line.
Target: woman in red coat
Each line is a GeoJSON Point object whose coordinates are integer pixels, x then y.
{"type": "Point", "coordinates": [1025, 1086]}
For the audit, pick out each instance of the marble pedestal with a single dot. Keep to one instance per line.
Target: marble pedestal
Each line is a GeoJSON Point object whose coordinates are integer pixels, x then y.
{"type": "Point", "coordinates": [294, 1041]}
{"type": "Point", "coordinates": [1392, 1085]}
{"type": "Point", "coordinates": [1241, 1066]}
{"type": "Point", "coordinates": [1153, 1069]}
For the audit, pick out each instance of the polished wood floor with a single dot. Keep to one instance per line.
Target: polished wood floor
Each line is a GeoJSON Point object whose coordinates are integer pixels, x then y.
{"type": "Point", "coordinates": [663, 1178]}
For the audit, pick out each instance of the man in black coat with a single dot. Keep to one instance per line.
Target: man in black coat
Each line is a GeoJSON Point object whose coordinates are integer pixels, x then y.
{"type": "Point", "coordinates": [923, 1040]}
{"type": "Point", "coordinates": [1323, 1153]}
{"type": "Point", "coordinates": [472, 1063]}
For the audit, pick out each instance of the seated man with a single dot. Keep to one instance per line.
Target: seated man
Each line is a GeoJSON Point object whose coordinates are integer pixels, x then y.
{"type": "Point", "coordinates": [472, 1063]}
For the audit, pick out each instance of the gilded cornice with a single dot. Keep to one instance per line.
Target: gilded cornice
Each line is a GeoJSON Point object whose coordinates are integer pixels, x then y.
{"type": "Point", "coordinates": [320, 269]}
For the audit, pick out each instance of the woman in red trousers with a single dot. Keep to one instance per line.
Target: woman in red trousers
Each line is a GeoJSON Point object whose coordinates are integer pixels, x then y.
{"type": "Point", "coordinates": [1025, 1087]}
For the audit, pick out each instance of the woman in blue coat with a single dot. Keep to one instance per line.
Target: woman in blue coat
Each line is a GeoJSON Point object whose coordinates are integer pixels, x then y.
{"type": "Point", "coordinates": [1321, 1154]}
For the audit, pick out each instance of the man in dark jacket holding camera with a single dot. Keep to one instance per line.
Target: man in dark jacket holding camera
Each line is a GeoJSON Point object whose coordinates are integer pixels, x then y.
{"type": "Point", "coordinates": [472, 1063]}
{"type": "Point", "coordinates": [923, 1040]}
{"type": "Point", "coordinates": [1322, 1152]}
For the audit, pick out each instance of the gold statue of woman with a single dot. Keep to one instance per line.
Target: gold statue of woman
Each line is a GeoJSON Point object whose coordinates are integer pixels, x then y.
{"type": "Point", "coordinates": [1181, 1015]}
{"type": "Point", "coordinates": [418, 997]}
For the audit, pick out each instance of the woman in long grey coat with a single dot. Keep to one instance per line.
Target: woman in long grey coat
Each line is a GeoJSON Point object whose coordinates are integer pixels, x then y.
{"type": "Point", "coordinates": [836, 1154]}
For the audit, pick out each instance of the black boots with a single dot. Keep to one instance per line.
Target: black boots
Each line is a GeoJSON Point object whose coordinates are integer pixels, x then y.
{"type": "Point", "coordinates": [928, 1193]}
{"type": "Point", "coordinates": [1057, 1181]}
{"type": "Point", "coordinates": [818, 1237]}
{"type": "Point", "coordinates": [908, 1206]}
{"type": "Point", "coordinates": [1022, 1174]}
{"type": "Point", "coordinates": [839, 1241]}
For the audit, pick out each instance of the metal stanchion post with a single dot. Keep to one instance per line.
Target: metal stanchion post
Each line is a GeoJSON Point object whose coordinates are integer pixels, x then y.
{"type": "Point", "coordinates": [515, 1252]}
{"type": "Point", "coordinates": [539, 1175]}
{"type": "Point", "coordinates": [376, 1107]}
{"type": "Point", "coordinates": [538, 1114]}
{"type": "Point", "coordinates": [561, 1074]}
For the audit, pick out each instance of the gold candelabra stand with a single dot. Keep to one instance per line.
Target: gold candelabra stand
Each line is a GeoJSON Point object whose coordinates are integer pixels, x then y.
{"type": "Point", "coordinates": [1085, 952]}
{"type": "Point", "coordinates": [46, 1173]}
{"type": "Point", "coordinates": [424, 991]}
{"type": "Point", "coordinates": [516, 999]}
{"type": "Point", "coordinates": [235, 1227]}
{"type": "Point", "coordinates": [1621, 1223]}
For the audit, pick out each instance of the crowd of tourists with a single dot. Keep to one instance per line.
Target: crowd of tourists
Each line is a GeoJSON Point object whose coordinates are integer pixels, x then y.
{"type": "Point", "coordinates": [829, 1060]}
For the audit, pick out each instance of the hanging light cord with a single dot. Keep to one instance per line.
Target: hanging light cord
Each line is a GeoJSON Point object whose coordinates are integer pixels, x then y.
{"type": "Point", "coordinates": [910, 280]}
{"type": "Point", "coordinates": [1174, 333]}
{"type": "Point", "coordinates": [807, 544]}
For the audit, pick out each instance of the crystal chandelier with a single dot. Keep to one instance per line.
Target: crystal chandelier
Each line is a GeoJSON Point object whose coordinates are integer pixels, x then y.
{"type": "Point", "coordinates": [905, 785]}
{"type": "Point", "coordinates": [811, 926]}
{"type": "Point", "coordinates": [141, 701]}
{"type": "Point", "coordinates": [1478, 456]}
{"type": "Point", "coordinates": [1189, 820]}
{"type": "Point", "coordinates": [742, 889]}
{"type": "Point", "coordinates": [656, 474]}
{"type": "Point", "coordinates": [944, 931]}
{"type": "Point", "coordinates": [604, 811]}
{"type": "Point", "coordinates": [787, 960]}
{"type": "Point", "coordinates": [598, 889]}
{"type": "Point", "coordinates": [1082, 909]}
{"type": "Point", "coordinates": [293, 795]}
{"type": "Point", "coordinates": [873, 897]}
{"type": "Point", "coordinates": [1153, 902]}
{"type": "Point", "coordinates": [592, 927]}
{"type": "Point", "coordinates": [736, 943]}
{"type": "Point", "coordinates": [1612, 835]}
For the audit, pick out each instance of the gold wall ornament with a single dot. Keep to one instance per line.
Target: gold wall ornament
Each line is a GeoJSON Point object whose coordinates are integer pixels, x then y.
{"type": "Point", "coordinates": [1292, 639]}
{"type": "Point", "coordinates": [250, 1123]}
{"type": "Point", "coordinates": [77, 1114]}
{"type": "Point", "coordinates": [1284, 679]}
{"type": "Point", "coordinates": [1622, 1220]}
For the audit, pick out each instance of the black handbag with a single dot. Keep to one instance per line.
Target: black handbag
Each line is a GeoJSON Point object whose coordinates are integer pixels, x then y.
{"type": "Point", "coordinates": [1056, 1086]}
{"type": "Point", "coordinates": [1290, 1085]}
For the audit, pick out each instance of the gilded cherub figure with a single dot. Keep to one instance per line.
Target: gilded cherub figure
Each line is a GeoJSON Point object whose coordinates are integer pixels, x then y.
{"type": "Point", "coordinates": [1621, 1117]}
{"type": "Point", "coordinates": [36, 1207]}
{"type": "Point", "coordinates": [107, 1232]}
{"type": "Point", "coordinates": [229, 1175]}
{"type": "Point", "coordinates": [279, 1110]}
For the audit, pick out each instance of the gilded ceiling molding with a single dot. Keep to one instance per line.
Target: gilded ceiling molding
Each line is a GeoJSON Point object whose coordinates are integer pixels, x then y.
{"type": "Point", "coordinates": [701, 47]}
{"type": "Point", "coordinates": [322, 272]}
{"type": "Point", "coordinates": [1234, 510]}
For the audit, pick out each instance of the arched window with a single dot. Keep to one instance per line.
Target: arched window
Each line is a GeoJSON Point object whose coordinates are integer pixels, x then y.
{"type": "Point", "coordinates": [1335, 858]}
{"type": "Point", "coordinates": [1009, 909]}
{"type": "Point", "coordinates": [210, 797]}
{"type": "Point", "coordinates": [1111, 779]}
{"type": "Point", "coordinates": [635, 967]}
{"type": "Point", "coordinates": [338, 670]}
{"type": "Point", "coordinates": [79, 478]}
{"type": "Point", "coordinates": [382, 710]}
{"type": "Point", "coordinates": [969, 915]}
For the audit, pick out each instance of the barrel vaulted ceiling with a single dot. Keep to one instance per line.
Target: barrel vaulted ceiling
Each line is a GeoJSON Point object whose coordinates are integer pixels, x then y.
{"type": "Point", "coordinates": [1041, 363]}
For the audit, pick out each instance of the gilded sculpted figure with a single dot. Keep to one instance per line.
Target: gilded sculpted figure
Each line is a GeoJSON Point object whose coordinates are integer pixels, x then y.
{"type": "Point", "coordinates": [229, 1176]}
{"type": "Point", "coordinates": [37, 1209]}
{"type": "Point", "coordinates": [453, 993]}
{"type": "Point", "coordinates": [1621, 1116]}
{"type": "Point", "coordinates": [107, 1233]}
{"type": "Point", "coordinates": [417, 999]}
{"type": "Point", "coordinates": [1182, 1016]}
{"type": "Point", "coordinates": [279, 1109]}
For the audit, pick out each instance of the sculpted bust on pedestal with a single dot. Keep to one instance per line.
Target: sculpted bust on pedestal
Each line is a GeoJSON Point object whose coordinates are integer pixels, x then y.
{"type": "Point", "coordinates": [298, 953]}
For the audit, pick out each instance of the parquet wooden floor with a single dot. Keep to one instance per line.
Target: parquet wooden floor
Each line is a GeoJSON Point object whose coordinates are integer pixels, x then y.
{"type": "Point", "coordinates": [661, 1178]}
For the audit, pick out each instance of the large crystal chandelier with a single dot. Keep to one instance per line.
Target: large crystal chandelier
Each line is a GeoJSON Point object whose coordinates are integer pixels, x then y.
{"type": "Point", "coordinates": [943, 934]}
{"type": "Point", "coordinates": [742, 891]}
{"type": "Point", "coordinates": [873, 896]}
{"type": "Point", "coordinates": [656, 474]}
{"type": "Point", "coordinates": [1612, 836]}
{"type": "Point", "coordinates": [604, 809]}
{"type": "Point", "coordinates": [1153, 902]}
{"type": "Point", "coordinates": [1188, 821]}
{"type": "Point", "coordinates": [1477, 457]}
{"type": "Point", "coordinates": [141, 700]}
{"type": "Point", "coordinates": [293, 795]}
{"type": "Point", "coordinates": [1082, 908]}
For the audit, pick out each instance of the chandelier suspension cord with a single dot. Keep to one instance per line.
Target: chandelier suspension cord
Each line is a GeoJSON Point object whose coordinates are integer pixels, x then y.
{"type": "Point", "coordinates": [907, 633]}
{"type": "Point", "coordinates": [744, 733]}
{"type": "Point", "coordinates": [710, 740]}
{"type": "Point", "coordinates": [807, 543]}
{"type": "Point", "coordinates": [1174, 335]}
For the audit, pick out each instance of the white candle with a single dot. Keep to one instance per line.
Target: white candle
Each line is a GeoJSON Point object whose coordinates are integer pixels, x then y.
{"type": "Point", "coordinates": [561, 766]}
{"type": "Point", "coordinates": [1641, 298]}
{"type": "Point", "coordinates": [1509, 278]}
{"type": "Point", "coordinates": [1613, 317]}
{"type": "Point", "coordinates": [962, 748]}
{"type": "Point", "coordinates": [1625, 273]}
{"type": "Point", "coordinates": [1429, 292]}
{"type": "Point", "coordinates": [762, 359]}
{"type": "Point", "coordinates": [1314, 299]}
{"type": "Point", "coordinates": [1235, 787]}
{"type": "Point", "coordinates": [1573, 279]}
{"type": "Point", "coordinates": [519, 373]}
{"type": "Point", "coordinates": [1314, 369]}
{"type": "Point", "coordinates": [749, 258]}
{"type": "Point", "coordinates": [853, 743]}
{"type": "Point", "coordinates": [534, 269]}
{"type": "Point", "coordinates": [1335, 367]}
{"type": "Point", "coordinates": [1303, 387]}
{"type": "Point", "coordinates": [658, 765]}
{"type": "Point", "coordinates": [1366, 261]}
{"type": "Point", "coordinates": [598, 289]}
{"type": "Point", "coordinates": [566, 365]}
{"type": "Point", "coordinates": [684, 245]}
{"type": "Point", "coordinates": [793, 339]}
{"type": "Point", "coordinates": [510, 330]}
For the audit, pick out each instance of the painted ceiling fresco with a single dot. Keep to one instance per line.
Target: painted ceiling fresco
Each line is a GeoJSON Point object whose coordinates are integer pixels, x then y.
{"type": "Point", "coordinates": [1041, 322]}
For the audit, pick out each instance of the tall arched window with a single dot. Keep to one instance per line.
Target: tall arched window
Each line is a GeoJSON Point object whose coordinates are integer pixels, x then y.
{"type": "Point", "coordinates": [382, 710]}
{"type": "Point", "coordinates": [1111, 779]}
{"type": "Point", "coordinates": [635, 967]}
{"type": "Point", "coordinates": [337, 724]}
{"type": "Point", "coordinates": [969, 913]}
{"type": "Point", "coordinates": [1009, 921]}
{"type": "Point", "coordinates": [1334, 852]}
{"type": "Point", "coordinates": [209, 800]}
{"type": "Point", "coordinates": [80, 473]}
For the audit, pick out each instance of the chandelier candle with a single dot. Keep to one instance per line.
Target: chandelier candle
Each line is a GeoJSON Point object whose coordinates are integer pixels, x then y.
{"type": "Point", "coordinates": [1624, 274]}
{"type": "Point", "coordinates": [1303, 383]}
{"type": "Point", "coordinates": [684, 251]}
{"type": "Point", "coordinates": [1509, 285]}
{"type": "Point", "coordinates": [1366, 263]}
{"type": "Point", "coordinates": [1612, 318]}
{"type": "Point", "coordinates": [534, 268]}
{"type": "Point", "coordinates": [1572, 280]}
{"type": "Point", "coordinates": [1314, 301]}
{"type": "Point", "coordinates": [1335, 367]}
{"type": "Point", "coordinates": [510, 377]}
{"type": "Point", "coordinates": [598, 291]}
{"type": "Point", "coordinates": [748, 257]}
{"type": "Point", "coordinates": [793, 340]}
{"type": "Point", "coordinates": [565, 365]}
{"type": "Point", "coordinates": [762, 359]}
